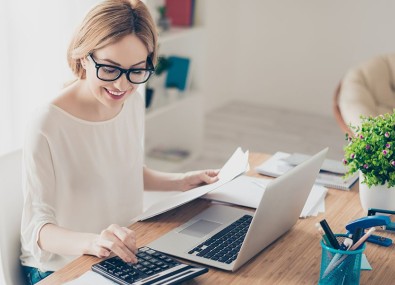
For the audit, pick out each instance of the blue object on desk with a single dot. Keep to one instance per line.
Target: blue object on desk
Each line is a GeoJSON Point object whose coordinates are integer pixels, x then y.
{"type": "Point", "coordinates": [368, 222]}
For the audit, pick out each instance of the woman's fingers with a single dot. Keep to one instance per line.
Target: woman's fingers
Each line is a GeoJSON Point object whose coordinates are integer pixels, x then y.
{"type": "Point", "coordinates": [209, 176]}
{"type": "Point", "coordinates": [121, 241]}
{"type": "Point", "coordinates": [119, 249]}
{"type": "Point", "coordinates": [197, 178]}
{"type": "Point", "coordinates": [127, 237]}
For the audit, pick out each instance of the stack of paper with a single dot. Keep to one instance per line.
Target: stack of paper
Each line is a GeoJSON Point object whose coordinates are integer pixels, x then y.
{"type": "Point", "coordinates": [247, 191]}
{"type": "Point", "coordinates": [331, 174]}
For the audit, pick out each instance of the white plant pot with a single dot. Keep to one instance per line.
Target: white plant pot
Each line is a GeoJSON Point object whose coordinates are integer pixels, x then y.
{"type": "Point", "coordinates": [378, 196]}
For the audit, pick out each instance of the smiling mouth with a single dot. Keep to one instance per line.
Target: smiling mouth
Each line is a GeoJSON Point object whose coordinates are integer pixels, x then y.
{"type": "Point", "coordinates": [115, 94]}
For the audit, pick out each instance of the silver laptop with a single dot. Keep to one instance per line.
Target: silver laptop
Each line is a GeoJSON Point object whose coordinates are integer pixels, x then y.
{"type": "Point", "coordinates": [227, 237]}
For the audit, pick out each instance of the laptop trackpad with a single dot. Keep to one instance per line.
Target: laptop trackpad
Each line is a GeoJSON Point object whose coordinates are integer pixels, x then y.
{"type": "Point", "coordinates": [200, 228]}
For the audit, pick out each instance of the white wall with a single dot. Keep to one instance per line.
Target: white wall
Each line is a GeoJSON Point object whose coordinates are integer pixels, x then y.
{"type": "Point", "coordinates": [34, 40]}
{"type": "Point", "coordinates": [291, 54]}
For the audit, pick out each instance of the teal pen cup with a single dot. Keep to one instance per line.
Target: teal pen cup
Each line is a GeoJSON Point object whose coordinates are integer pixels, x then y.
{"type": "Point", "coordinates": [338, 266]}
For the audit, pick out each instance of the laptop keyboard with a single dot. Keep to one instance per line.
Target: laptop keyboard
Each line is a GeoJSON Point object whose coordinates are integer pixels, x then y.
{"type": "Point", "coordinates": [150, 263]}
{"type": "Point", "coordinates": [225, 245]}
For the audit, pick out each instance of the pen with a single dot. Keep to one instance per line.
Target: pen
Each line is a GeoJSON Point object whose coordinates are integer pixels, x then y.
{"type": "Point", "coordinates": [329, 234]}
{"type": "Point", "coordinates": [321, 231]}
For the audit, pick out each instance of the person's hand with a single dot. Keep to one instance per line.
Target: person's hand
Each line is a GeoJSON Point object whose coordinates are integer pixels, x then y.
{"type": "Point", "coordinates": [116, 239]}
{"type": "Point", "coordinates": [194, 179]}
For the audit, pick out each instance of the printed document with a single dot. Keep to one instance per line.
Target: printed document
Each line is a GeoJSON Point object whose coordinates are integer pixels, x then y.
{"type": "Point", "coordinates": [236, 165]}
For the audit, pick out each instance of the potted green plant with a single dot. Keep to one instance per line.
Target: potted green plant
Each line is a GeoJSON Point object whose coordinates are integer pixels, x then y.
{"type": "Point", "coordinates": [163, 21]}
{"type": "Point", "coordinates": [371, 151]}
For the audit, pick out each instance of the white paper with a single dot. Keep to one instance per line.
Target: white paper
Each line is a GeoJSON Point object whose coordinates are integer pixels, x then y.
{"type": "Point", "coordinates": [277, 165]}
{"type": "Point", "coordinates": [236, 165]}
{"type": "Point", "coordinates": [244, 191]}
{"type": "Point", "coordinates": [153, 197]}
{"type": "Point", "coordinates": [89, 278]}
{"type": "Point", "coordinates": [319, 208]}
{"type": "Point", "coordinates": [314, 201]}
{"type": "Point", "coordinates": [247, 191]}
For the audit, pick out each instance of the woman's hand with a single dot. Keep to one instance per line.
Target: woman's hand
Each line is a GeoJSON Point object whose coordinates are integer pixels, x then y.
{"type": "Point", "coordinates": [116, 239]}
{"type": "Point", "coordinates": [194, 179]}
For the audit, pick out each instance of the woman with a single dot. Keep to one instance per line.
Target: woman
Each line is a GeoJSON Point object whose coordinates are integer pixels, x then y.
{"type": "Point", "coordinates": [83, 156]}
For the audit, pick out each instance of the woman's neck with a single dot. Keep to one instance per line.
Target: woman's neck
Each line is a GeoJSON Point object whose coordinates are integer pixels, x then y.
{"type": "Point", "coordinates": [77, 100]}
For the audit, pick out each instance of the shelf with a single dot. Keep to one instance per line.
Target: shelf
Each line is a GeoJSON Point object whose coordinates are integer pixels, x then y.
{"type": "Point", "coordinates": [168, 105]}
{"type": "Point", "coordinates": [174, 122]}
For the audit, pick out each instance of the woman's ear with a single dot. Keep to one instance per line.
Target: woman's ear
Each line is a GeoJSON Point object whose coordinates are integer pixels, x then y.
{"type": "Point", "coordinates": [83, 62]}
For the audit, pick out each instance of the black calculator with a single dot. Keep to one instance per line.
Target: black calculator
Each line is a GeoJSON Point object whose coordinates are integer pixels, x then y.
{"type": "Point", "coordinates": [153, 267]}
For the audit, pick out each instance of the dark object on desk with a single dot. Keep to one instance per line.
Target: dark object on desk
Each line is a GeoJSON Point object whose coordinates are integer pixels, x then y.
{"type": "Point", "coordinates": [357, 235]}
{"type": "Point", "coordinates": [153, 267]}
{"type": "Point", "coordinates": [329, 234]}
{"type": "Point", "coordinates": [373, 211]}
{"type": "Point", "coordinates": [234, 235]}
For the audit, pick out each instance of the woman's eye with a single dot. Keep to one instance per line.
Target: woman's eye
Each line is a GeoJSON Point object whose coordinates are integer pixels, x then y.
{"type": "Point", "coordinates": [137, 72]}
{"type": "Point", "coordinates": [109, 69]}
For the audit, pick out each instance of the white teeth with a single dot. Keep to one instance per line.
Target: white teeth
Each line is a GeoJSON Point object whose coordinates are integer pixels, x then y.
{"type": "Point", "coordinates": [119, 93]}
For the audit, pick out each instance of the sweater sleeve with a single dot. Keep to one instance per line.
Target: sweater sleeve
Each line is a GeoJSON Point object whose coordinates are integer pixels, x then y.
{"type": "Point", "coordinates": [39, 193]}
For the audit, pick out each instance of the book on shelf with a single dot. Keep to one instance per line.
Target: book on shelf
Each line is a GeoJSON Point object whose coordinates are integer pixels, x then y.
{"type": "Point", "coordinates": [180, 12]}
{"type": "Point", "coordinates": [178, 73]}
{"type": "Point", "coordinates": [331, 174]}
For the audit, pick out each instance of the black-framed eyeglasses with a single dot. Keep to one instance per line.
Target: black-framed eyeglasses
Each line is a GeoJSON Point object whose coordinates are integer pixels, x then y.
{"type": "Point", "coordinates": [107, 72]}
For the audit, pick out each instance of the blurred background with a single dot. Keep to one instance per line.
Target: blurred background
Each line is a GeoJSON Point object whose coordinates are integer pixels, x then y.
{"type": "Point", "coordinates": [260, 74]}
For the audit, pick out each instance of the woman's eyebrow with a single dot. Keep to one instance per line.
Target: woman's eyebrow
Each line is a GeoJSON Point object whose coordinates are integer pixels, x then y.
{"type": "Point", "coordinates": [117, 64]}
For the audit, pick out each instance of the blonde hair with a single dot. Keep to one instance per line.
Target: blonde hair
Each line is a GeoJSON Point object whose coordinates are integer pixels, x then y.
{"type": "Point", "coordinates": [107, 23]}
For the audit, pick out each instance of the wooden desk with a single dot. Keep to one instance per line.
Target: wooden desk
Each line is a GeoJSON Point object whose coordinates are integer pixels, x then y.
{"type": "Point", "coordinates": [293, 259]}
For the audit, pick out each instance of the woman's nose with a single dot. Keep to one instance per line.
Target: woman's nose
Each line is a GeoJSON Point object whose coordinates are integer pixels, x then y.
{"type": "Point", "coordinates": [122, 83]}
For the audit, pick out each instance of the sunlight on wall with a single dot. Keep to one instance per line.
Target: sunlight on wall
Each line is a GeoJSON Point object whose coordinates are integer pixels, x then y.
{"type": "Point", "coordinates": [33, 57]}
